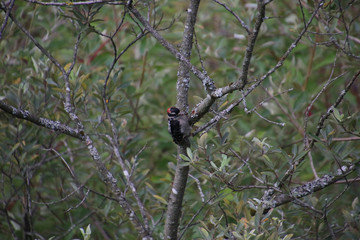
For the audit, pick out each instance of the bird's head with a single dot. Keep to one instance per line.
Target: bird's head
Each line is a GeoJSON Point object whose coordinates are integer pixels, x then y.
{"type": "Point", "coordinates": [173, 111]}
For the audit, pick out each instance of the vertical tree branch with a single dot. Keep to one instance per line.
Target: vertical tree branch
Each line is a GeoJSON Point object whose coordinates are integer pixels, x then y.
{"type": "Point", "coordinates": [177, 192]}
{"type": "Point", "coordinates": [251, 43]}
{"type": "Point", "coordinates": [183, 74]}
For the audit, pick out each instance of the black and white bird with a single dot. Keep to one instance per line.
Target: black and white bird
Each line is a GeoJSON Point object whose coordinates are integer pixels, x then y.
{"type": "Point", "coordinates": [178, 126]}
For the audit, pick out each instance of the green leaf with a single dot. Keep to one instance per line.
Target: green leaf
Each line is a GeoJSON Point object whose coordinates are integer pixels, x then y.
{"type": "Point", "coordinates": [35, 64]}
{"type": "Point", "coordinates": [189, 153]}
{"type": "Point", "coordinates": [325, 61]}
{"type": "Point", "coordinates": [237, 235]}
{"type": "Point", "coordinates": [161, 199]}
{"type": "Point", "coordinates": [214, 165]}
{"type": "Point", "coordinates": [224, 138]}
{"type": "Point", "coordinates": [202, 140]}
{"type": "Point", "coordinates": [88, 230]}
{"type": "Point", "coordinates": [337, 115]}
{"type": "Point", "coordinates": [315, 137]}
{"type": "Point", "coordinates": [204, 233]}
{"type": "Point", "coordinates": [224, 162]}
{"type": "Point", "coordinates": [184, 157]}
{"type": "Point", "coordinates": [184, 164]}
{"type": "Point", "coordinates": [300, 155]}
{"type": "Point", "coordinates": [268, 162]}
{"type": "Point", "coordinates": [288, 236]}
{"type": "Point", "coordinates": [15, 147]}
{"type": "Point", "coordinates": [355, 203]}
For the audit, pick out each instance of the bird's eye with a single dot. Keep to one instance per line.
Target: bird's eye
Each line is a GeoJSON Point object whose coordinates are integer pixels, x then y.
{"type": "Point", "coordinates": [175, 110]}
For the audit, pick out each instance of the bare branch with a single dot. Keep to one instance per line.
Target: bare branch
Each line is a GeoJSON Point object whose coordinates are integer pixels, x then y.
{"type": "Point", "coordinates": [68, 195]}
{"type": "Point", "coordinates": [8, 11]}
{"type": "Point", "coordinates": [281, 124]}
{"type": "Point", "coordinates": [337, 102]}
{"type": "Point", "coordinates": [183, 82]}
{"type": "Point", "coordinates": [350, 54]}
{"type": "Point", "coordinates": [77, 3]}
{"type": "Point", "coordinates": [43, 122]}
{"type": "Point", "coordinates": [251, 44]}
{"type": "Point", "coordinates": [198, 184]}
{"type": "Point", "coordinates": [308, 188]}
{"type": "Point", "coordinates": [10, 222]}
{"type": "Point", "coordinates": [328, 224]}
{"type": "Point", "coordinates": [313, 169]}
{"type": "Point", "coordinates": [225, 90]}
{"type": "Point", "coordinates": [116, 58]}
{"type": "Point", "coordinates": [69, 108]}
{"type": "Point", "coordinates": [306, 117]}
{"type": "Point", "coordinates": [81, 202]}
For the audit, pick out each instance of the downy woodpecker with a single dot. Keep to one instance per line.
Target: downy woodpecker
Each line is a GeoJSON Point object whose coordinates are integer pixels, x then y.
{"type": "Point", "coordinates": [178, 126]}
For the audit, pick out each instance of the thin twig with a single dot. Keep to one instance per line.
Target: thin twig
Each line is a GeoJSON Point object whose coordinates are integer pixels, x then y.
{"type": "Point", "coordinates": [313, 169]}
{"type": "Point", "coordinates": [67, 196]}
{"type": "Point", "coordinates": [81, 202]}
{"type": "Point", "coordinates": [327, 222]}
{"type": "Point", "coordinates": [8, 11]}
{"type": "Point", "coordinates": [260, 104]}
{"type": "Point", "coordinates": [198, 184]}
{"type": "Point", "coordinates": [306, 114]}
{"type": "Point", "coordinates": [73, 226]}
{"type": "Point", "coordinates": [243, 24]}
{"type": "Point", "coordinates": [337, 102]}
{"type": "Point", "coordinates": [282, 124]}
{"type": "Point", "coordinates": [195, 215]}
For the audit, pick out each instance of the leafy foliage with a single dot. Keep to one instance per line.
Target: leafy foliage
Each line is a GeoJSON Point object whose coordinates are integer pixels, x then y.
{"type": "Point", "coordinates": [50, 185]}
